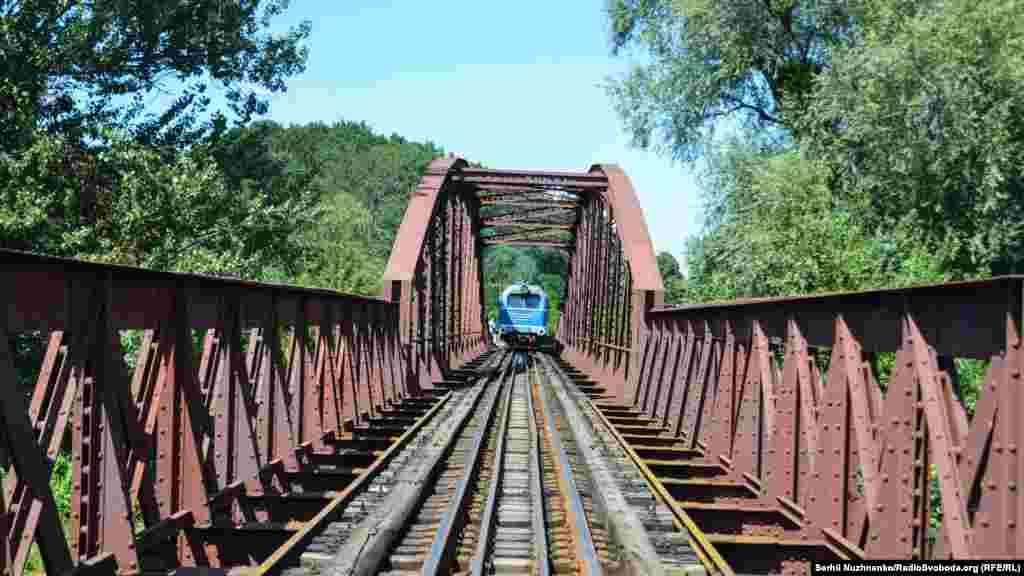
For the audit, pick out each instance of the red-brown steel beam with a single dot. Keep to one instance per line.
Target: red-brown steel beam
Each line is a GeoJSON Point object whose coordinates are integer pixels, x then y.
{"type": "Point", "coordinates": [534, 225]}
{"type": "Point", "coordinates": [538, 174]}
{"type": "Point", "coordinates": [605, 323]}
{"type": "Point", "coordinates": [521, 203]}
{"type": "Point", "coordinates": [216, 424]}
{"type": "Point", "coordinates": [435, 262]}
{"type": "Point", "coordinates": [855, 466]}
{"type": "Point", "coordinates": [525, 242]}
{"type": "Point", "coordinates": [533, 234]}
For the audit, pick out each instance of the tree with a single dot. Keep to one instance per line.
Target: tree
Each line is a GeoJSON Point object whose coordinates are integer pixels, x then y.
{"type": "Point", "coordinates": [922, 127]}
{"type": "Point", "coordinates": [72, 67]}
{"type": "Point", "coordinates": [127, 205]}
{"type": "Point", "coordinates": [362, 181]}
{"type": "Point", "coordinates": [773, 227]}
{"type": "Point", "coordinates": [742, 61]}
{"type": "Point", "coordinates": [672, 277]}
{"type": "Point", "coordinates": [668, 266]}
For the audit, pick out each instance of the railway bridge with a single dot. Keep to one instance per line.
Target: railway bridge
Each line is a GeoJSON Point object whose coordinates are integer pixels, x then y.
{"type": "Point", "coordinates": [268, 429]}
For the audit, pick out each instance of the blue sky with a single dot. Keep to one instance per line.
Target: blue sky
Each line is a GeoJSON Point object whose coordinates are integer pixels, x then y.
{"type": "Point", "coordinates": [507, 84]}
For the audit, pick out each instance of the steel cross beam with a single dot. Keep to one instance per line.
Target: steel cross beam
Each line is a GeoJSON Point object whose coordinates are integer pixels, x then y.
{"type": "Point", "coordinates": [533, 225]}
{"type": "Point", "coordinates": [527, 203]}
{"type": "Point", "coordinates": [538, 234]}
{"type": "Point", "coordinates": [528, 242]}
{"type": "Point", "coordinates": [526, 215]}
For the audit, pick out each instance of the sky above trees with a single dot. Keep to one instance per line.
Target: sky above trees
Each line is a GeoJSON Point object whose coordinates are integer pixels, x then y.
{"type": "Point", "coordinates": [507, 85]}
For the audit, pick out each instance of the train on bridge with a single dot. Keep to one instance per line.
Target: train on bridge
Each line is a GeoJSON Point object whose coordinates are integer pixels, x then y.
{"type": "Point", "coordinates": [523, 311]}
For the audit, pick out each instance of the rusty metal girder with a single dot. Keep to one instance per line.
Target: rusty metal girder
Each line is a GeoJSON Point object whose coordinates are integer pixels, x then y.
{"type": "Point", "coordinates": [499, 182]}
{"type": "Point", "coordinates": [519, 203]}
{"type": "Point", "coordinates": [538, 175]}
{"type": "Point", "coordinates": [531, 225]}
{"type": "Point", "coordinates": [529, 234]}
{"type": "Point", "coordinates": [613, 280]}
{"type": "Point", "coordinates": [782, 395]}
{"type": "Point", "coordinates": [175, 439]}
{"type": "Point", "coordinates": [510, 193]}
{"type": "Point", "coordinates": [537, 243]}
{"type": "Point", "coordinates": [545, 197]}
{"type": "Point", "coordinates": [527, 215]}
{"type": "Point", "coordinates": [434, 274]}
{"type": "Point", "coordinates": [507, 178]}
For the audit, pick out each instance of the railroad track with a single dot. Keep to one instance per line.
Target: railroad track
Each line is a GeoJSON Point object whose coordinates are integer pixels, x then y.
{"type": "Point", "coordinates": [650, 539]}
{"type": "Point", "coordinates": [510, 476]}
{"type": "Point", "coordinates": [426, 545]}
{"type": "Point", "coordinates": [512, 528]}
{"type": "Point", "coordinates": [342, 538]}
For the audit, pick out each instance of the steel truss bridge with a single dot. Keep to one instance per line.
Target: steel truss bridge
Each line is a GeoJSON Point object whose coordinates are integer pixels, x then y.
{"type": "Point", "coordinates": [253, 416]}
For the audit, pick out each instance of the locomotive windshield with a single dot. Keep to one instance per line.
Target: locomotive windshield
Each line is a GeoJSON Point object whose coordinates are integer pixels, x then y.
{"type": "Point", "coordinates": [524, 301]}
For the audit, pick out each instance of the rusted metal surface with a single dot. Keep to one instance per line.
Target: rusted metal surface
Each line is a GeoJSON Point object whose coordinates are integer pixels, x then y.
{"type": "Point", "coordinates": [434, 274]}
{"type": "Point", "coordinates": [233, 387]}
{"type": "Point", "coordinates": [613, 280]}
{"type": "Point", "coordinates": [766, 422]}
{"type": "Point", "coordinates": [594, 216]}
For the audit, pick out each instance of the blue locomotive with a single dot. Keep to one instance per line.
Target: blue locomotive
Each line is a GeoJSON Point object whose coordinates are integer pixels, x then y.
{"type": "Point", "coordinates": [523, 314]}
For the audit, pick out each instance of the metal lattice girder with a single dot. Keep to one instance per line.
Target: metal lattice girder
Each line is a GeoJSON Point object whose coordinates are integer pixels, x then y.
{"type": "Point", "coordinates": [434, 273]}
{"type": "Point", "coordinates": [493, 179]}
{"type": "Point", "coordinates": [613, 279]}
{"type": "Point", "coordinates": [535, 234]}
{"type": "Point", "coordinates": [537, 243]}
{"type": "Point", "coordinates": [519, 203]}
{"type": "Point", "coordinates": [534, 226]}
{"type": "Point", "coordinates": [782, 396]}
{"type": "Point", "coordinates": [177, 439]}
{"type": "Point", "coordinates": [556, 215]}
{"type": "Point", "coordinates": [527, 193]}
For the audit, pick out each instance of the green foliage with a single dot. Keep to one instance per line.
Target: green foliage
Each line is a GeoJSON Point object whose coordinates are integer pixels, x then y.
{"type": "Point", "coordinates": [362, 181]}
{"type": "Point", "coordinates": [675, 282]}
{"type": "Point", "coordinates": [775, 228]}
{"type": "Point", "coordinates": [751, 63]}
{"type": "Point", "coordinates": [896, 154]}
{"type": "Point", "coordinates": [922, 125]}
{"type": "Point", "coordinates": [134, 207]}
{"type": "Point", "coordinates": [72, 67]}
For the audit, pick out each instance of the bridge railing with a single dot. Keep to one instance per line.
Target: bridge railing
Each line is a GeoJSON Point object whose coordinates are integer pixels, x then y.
{"type": "Point", "coordinates": [232, 384]}
{"type": "Point", "coordinates": [613, 281]}
{"type": "Point", "coordinates": [848, 411]}
{"type": "Point", "coordinates": [433, 274]}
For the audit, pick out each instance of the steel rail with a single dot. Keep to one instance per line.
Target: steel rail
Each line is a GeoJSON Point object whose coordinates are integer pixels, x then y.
{"type": "Point", "coordinates": [380, 541]}
{"type": "Point", "coordinates": [487, 520]}
{"type": "Point", "coordinates": [443, 542]}
{"type": "Point", "coordinates": [539, 525]}
{"type": "Point", "coordinates": [586, 553]}
{"type": "Point", "coordinates": [705, 550]}
{"type": "Point", "coordinates": [298, 542]}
